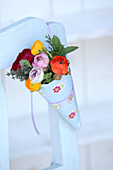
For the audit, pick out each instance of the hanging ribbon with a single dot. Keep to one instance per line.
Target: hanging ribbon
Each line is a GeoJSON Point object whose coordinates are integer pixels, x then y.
{"type": "Point", "coordinates": [53, 164]}
{"type": "Point", "coordinates": [32, 115]}
{"type": "Point", "coordinates": [48, 28]}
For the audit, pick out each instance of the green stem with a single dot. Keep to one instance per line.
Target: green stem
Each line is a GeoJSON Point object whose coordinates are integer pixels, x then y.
{"type": "Point", "coordinates": [44, 48]}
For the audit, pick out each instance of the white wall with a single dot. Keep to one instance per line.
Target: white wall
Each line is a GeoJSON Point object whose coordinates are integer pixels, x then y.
{"type": "Point", "coordinates": [95, 4]}
{"type": "Point", "coordinates": [12, 10]}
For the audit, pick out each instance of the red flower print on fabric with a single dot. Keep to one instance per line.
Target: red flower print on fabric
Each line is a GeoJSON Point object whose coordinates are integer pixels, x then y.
{"type": "Point", "coordinates": [57, 89]}
{"type": "Point", "coordinates": [72, 115]}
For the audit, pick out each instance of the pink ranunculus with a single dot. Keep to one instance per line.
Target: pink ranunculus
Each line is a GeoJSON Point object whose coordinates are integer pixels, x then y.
{"type": "Point", "coordinates": [41, 61]}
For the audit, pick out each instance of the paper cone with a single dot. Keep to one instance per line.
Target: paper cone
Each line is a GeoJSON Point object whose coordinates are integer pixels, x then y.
{"type": "Point", "coordinates": [61, 95]}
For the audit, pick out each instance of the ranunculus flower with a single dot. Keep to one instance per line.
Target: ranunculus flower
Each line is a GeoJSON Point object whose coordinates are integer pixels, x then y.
{"type": "Point", "coordinates": [31, 86]}
{"type": "Point", "coordinates": [59, 65]}
{"type": "Point", "coordinates": [36, 75]}
{"type": "Point", "coordinates": [38, 45]}
{"type": "Point", "coordinates": [41, 61]}
{"type": "Point", "coordinates": [24, 55]}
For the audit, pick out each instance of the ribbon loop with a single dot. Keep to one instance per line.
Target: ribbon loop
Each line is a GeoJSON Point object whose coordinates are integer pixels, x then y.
{"type": "Point", "coordinates": [32, 115]}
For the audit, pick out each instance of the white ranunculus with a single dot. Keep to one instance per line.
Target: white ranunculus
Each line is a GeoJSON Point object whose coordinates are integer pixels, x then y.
{"type": "Point", "coordinates": [36, 75]}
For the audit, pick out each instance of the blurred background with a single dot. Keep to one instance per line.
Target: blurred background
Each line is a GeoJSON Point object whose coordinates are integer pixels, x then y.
{"type": "Point", "coordinates": [89, 25]}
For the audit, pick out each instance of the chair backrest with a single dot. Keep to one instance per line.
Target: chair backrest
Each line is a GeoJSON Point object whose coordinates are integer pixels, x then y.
{"type": "Point", "coordinates": [13, 39]}
{"type": "Point", "coordinates": [22, 34]}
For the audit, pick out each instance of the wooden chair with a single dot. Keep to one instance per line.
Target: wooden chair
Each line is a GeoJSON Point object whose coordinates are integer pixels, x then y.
{"type": "Point", "coordinates": [13, 39]}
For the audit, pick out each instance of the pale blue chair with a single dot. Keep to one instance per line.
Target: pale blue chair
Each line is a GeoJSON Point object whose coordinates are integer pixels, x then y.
{"type": "Point", "coordinates": [13, 39]}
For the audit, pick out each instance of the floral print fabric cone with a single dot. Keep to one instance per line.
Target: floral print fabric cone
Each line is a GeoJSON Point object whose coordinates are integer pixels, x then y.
{"type": "Point", "coordinates": [61, 96]}
{"type": "Point", "coordinates": [48, 72]}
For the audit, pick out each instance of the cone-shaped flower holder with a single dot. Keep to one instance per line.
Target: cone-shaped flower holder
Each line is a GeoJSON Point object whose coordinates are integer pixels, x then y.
{"type": "Point", "coordinates": [61, 95]}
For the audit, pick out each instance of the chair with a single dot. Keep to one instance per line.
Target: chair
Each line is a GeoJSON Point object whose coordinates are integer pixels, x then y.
{"type": "Point", "coordinates": [14, 39]}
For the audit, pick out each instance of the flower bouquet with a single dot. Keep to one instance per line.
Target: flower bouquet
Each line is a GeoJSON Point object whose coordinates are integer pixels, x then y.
{"type": "Point", "coordinates": [48, 72]}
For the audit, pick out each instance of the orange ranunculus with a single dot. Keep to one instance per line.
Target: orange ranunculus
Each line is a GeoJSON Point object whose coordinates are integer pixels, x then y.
{"type": "Point", "coordinates": [38, 45]}
{"type": "Point", "coordinates": [59, 65]}
{"type": "Point", "coordinates": [31, 86]}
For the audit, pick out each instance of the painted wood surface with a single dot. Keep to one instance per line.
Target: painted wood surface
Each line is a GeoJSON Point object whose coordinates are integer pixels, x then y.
{"type": "Point", "coordinates": [4, 145]}
{"type": "Point", "coordinates": [64, 143]}
{"type": "Point", "coordinates": [14, 39]}
{"type": "Point", "coordinates": [20, 35]}
{"type": "Point", "coordinates": [63, 135]}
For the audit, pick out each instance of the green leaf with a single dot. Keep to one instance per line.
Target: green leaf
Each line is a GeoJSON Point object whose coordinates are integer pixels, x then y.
{"type": "Point", "coordinates": [47, 75]}
{"type": "Point", "coordinates": [12, 72]}
{"type": "Point", "coordinates": [53, 53]}
{"type": "Point", "coordinates": [68, 50]}
{"type": "Point", "coordinates": [40, 51]}
{"type": "Point", "coordinates": [47, 78]}
{"type": "Point", "coordinates": [22, 74]}
{"type": "Point", "coordinates": [45, 49]}
{"type": "Point", "coordinates": [25, 63]}
{"type": "Point", "coordinates": [56, 43]}
{"type": "Point", "coordinates": [61, 48]}
{"type": "Point", "coordinates": [57, 47]}
{"type": "Point", "coordinates": [48, 37]}
{"type": "Point", "coordinates": [8, 74]}
{"type": "Point", "coordinates": [48, 41]}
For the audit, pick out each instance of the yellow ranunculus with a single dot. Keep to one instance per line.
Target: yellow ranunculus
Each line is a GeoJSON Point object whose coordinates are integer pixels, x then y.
{"type": "Point", "coordinates": [38, 45]}
{"type": "Point", "coordinates": [31, 86]}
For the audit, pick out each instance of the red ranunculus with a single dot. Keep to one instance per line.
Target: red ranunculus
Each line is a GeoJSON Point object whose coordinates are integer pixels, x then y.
{"type": "Point", "coordinates": [59, 65]}
{"type": "Point", "coordinates": [24, 55]}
